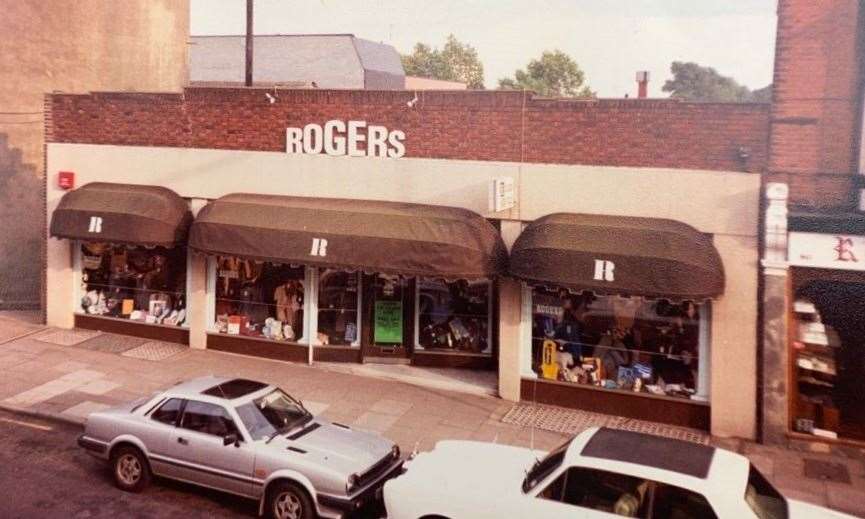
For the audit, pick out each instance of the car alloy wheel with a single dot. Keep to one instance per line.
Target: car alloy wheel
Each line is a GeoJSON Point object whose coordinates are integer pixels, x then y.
{"type": "Point", "coordinates": [128, 469]}
{"type": "Point", "coordinates": [287, 505]}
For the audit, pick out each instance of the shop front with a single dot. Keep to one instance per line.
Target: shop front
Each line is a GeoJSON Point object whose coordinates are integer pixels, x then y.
{"type": "Point", "coordinates": [631, 286]}
{"type": "Point", "coordinates": [826, 334]}
{"type": "Point", "coordinates": [620, 314]}
{"type": "Point", "coordinates": [129, 253]}
{"type": "Point", "coordinates": [303, 279]}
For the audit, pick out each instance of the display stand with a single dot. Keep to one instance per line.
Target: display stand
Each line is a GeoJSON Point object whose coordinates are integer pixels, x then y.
{"type": "Point", "coordinates": [815, 372]}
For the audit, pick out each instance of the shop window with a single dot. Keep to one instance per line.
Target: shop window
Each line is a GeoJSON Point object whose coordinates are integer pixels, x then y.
{"type": "Point", "coordinates": [338, 304]}
{"type": "Point", "coordinates": [618, 343]}
{"type": "Point", "coordinates": [828, 356]}
{"type": "Point", "coordinates": [136, 283]}
{"type": "Point", "coordinates": [454, 316]}
{"type": "Point", "coordinates": [259, 299]}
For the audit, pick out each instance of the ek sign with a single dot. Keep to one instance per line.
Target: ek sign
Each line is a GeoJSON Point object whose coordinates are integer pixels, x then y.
{"type": "Point", "coordinates": [352, 138]}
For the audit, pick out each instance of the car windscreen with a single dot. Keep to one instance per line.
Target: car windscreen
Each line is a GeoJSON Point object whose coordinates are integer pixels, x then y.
{"type": "Point", "coordinates": [545, 467]}
{"type": "Point", "coordinates": [764, 500]}
{"type": "Point", "coordinates": [272, 413]}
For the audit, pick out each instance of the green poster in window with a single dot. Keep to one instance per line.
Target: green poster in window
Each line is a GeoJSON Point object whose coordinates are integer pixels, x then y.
{"type": "Point", "coordinates": [388, 322]}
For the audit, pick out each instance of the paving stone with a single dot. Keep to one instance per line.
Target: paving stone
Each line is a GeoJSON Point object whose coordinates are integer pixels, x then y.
{"type": "Point", "coordinates": [155, 350]}
{"type": "Point", "coordinates": [111, 343]}
{"type": "Point", "coordinates": [376, 422]}
{"type": "Point", "coordinates": [394, 407]}
{"type": "Point", "coordinates": [66, 337]}
{"type": "Point", "coordinates": [98, 387]}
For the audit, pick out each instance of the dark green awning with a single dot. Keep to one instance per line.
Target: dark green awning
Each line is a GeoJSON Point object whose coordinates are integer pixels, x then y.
{"type": "Point", "coordinates": [648, 257]}
{"type": "Point", "coordinates": [374, 236]}
{"type": "Point", "coordinates": [122, 213]}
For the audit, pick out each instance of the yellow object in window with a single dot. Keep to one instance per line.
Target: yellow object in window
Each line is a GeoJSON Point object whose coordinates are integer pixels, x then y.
{"type": "Point", "coordinates": [549, 361]}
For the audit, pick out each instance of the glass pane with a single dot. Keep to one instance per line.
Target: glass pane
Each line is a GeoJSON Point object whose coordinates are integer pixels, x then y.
{"type": "Point", "coordinates": [762, 497]}
{"type": "Point", "coordinates": [631, 344]}
{"type": "Point", "coordinates": [168, 412]}
{"type": "Point", "coordinates": [337, 307]}
{"type": "Point", "coordinates": [454, 316]}
{"type": "Point", "coordinates": [389, 300]}
{"type": "Point", "coordinates": [678, 503]}
{"type": "Point", "coordinates": [207, 418]}
{"type": "Point", "coordinates": [136, 283]}
{"type": "Point", "coordinates": [259, 299]}
{"type": "Point", "coordinates": [608, 492]}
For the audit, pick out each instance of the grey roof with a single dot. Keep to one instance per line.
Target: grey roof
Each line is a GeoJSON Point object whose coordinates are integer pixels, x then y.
{"type": "Point", "coordinates": [328, 60]}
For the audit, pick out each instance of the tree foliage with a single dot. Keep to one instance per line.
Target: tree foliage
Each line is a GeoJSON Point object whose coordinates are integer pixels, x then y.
{"type": "Point", "coordinates": [555, 74]}
{"type": "Point", "coordinates": [456, 61]}
{"type": "Point", "coordinates": [693, 82]}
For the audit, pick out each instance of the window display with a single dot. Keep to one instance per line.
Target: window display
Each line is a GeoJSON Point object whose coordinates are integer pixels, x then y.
{"type": "Point", "coordinates": [259, 299]}
{"type": "Point", "coordinates": [613, 342]}
{"type": "Point", "coordinates": [454, 316]}
{"type": "Point", "coordinates": [135, 283]}
{"type": "Point", "coordinates": [338, 316]}
{"type": "Point", "coordinates": [828, 358]}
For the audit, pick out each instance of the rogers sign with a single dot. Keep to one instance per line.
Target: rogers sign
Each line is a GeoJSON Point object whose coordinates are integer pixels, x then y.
{"type": "Point", "coordinates": [344, 137]}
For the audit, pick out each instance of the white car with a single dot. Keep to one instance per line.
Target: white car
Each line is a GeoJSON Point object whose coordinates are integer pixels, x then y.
{"type": "Point", "coordinates": [599, 473]}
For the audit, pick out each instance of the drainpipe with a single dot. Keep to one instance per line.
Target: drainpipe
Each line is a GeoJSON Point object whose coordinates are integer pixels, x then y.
{"type": "Point", "coordinates": [642, 84]}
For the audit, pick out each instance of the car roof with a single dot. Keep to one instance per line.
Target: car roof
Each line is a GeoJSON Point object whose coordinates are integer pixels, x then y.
{"type": "Point", "coordinates": [701, 468]}
{"type": "Point", "coordinates": [692, 459]}
{"type": "Point", "coordinates": [207, 389]}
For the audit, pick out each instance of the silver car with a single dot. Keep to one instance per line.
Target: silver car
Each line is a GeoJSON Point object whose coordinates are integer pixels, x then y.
{"type": "Point", "coordinates": [247, 438]}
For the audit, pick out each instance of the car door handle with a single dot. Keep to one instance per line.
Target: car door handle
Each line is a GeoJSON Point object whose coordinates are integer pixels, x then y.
{"type": "Point", "coordinates": [182, 441]}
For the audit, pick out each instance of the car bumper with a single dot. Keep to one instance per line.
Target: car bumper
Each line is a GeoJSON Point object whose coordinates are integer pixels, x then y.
{"type": "Point", "coordinates": [95, 447]}
{"type": "Point", "coordinates": [368, 495]}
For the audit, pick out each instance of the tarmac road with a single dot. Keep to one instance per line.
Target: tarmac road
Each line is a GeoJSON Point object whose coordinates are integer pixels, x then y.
{"type": "Point", "coordinates": [43, 473]}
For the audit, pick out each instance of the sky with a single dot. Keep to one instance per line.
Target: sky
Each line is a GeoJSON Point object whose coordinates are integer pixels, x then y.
{"type": "Point", "coordinates": [610, 39]}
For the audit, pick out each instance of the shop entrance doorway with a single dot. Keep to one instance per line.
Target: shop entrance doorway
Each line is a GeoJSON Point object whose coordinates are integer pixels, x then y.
{"type": "Point", "coordinates": [389, 327]}
{"type": "Point", "coordinates": [829, 356]}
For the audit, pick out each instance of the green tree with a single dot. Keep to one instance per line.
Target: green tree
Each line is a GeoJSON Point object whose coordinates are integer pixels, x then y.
{"type": "Point", "coordinates": [693, 82]}
{"type": "Point", "coordinates": [555, 74]}
{"type": "Point", "coordinates": [456, 61]}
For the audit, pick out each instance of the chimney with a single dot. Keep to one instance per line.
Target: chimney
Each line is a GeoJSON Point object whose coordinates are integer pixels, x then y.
{"type": "Point", "coordinates": [642, 84]}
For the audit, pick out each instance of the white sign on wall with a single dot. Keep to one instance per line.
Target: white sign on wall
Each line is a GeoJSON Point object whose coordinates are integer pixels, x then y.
{"type": "Point", "coordinates": [502, 194]}
{"type": "Point", "coordinates": [338, 137]}
{"type": "Point", "coordinates": [831, 251]}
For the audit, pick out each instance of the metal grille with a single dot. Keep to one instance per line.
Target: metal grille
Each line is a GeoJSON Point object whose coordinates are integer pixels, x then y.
{"type": "Point", "coordinates": [574, 421]}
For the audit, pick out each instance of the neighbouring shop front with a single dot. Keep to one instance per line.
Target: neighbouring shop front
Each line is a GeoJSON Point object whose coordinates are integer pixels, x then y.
{"type": "Point", "coordinates": [620, 314]}
{"type": "Point", "coordinates": [826, 334]}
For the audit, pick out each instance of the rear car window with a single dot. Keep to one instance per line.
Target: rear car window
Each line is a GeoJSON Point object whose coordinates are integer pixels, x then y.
{"type": "Point", "coordinates": [761, 496]}
{"type": "Point", "coordinates": [545, 467]}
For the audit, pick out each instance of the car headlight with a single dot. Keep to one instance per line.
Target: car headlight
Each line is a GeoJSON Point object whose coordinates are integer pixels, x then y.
{"type": "Point", "coordinates": [351, 482]}
{"type": "Point", "coordinates": [394, 451]}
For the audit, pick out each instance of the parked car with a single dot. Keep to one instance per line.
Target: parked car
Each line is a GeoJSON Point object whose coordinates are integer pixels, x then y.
{"type": "Point", "coordinates": [599, 473]}
{"type": "Point", "coordinates": [247, 438]}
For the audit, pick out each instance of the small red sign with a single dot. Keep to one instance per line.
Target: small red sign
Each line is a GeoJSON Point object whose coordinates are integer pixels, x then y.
{"type": "Point", "coordinates": [66, 180]}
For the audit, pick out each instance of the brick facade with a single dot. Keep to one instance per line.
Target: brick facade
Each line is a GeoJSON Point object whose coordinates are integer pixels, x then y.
{"type": "Point", "coordinates": [816, 105]}
{"type": "Point", "coordinates": [500, 126]}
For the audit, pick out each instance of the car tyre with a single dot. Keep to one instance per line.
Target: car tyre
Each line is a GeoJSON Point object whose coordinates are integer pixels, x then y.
{"type": "Point", "coordinates": [288, 500]}
{"type": "Point", "coordinates": [130, 469]}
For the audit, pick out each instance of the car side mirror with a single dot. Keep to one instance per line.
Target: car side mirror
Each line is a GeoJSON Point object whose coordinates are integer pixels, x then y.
{"type": "Point", "coordinates": [230, 438]}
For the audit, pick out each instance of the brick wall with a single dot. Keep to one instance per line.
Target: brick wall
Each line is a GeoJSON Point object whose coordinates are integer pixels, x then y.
{"type": "Point", "coordinates": [814, 127]}
{"type": "Point", "coordinates": [502, 126]}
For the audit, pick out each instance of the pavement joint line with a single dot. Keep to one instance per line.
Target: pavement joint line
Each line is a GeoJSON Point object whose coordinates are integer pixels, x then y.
{"type": "Point", "coordinates": [21, 336]}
